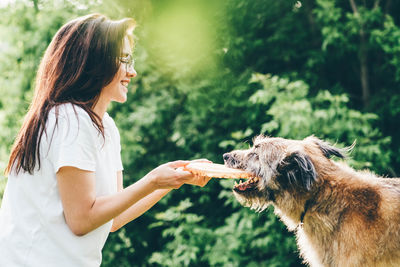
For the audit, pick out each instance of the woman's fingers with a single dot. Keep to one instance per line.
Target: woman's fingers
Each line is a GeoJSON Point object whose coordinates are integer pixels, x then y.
{"type": "Point", "coordinates": [203, 180]}
{"type": "Point", "coordinates": [174, 175]}
{"type": "Point", "coordinates": [199, 180]}
{"type": "Point", "coordinates": [194, 179]}
{"type": "Point", "coordinates": [178, 163]}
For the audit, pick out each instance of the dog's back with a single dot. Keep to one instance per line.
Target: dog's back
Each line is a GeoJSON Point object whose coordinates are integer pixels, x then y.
{"type": "Point", "coordinates": [355, 221]}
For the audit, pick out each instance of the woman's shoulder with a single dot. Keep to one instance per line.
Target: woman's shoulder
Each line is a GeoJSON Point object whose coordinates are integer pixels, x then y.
{"type": "Point", "coordinates": [70, 117]}
{"type": "Point", "coordinates": [109, 124]}
{"type": "Point", "coordinates": [67, 122]}
{"type": "Point", "coordinates": [108, 120]}
{"type": "Point", "coordinates": [68, 112]}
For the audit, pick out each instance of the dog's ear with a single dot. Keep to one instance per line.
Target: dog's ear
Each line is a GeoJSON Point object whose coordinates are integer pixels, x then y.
{"type": "Point", "coordinates": [297, 171]}
{"type": "Point", "coordinates": [327, 149]}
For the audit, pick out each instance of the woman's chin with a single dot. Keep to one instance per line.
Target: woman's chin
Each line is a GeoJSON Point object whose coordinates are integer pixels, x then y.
{"type": "Point", "coordinates": [121, 99]}
{"type": "Point", "coordinates": [123, 95]}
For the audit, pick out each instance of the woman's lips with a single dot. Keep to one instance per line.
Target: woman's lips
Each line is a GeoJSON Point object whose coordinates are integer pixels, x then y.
{"type": "Point", "coordinates": [125, 83]}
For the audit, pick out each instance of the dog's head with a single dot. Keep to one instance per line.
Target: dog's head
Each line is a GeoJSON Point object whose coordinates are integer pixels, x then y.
{"type": "Point", "coordinates": [279, 165]}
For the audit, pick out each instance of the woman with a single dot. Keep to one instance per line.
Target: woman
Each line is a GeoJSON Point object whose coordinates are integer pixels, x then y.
{"type": "Point", "coordinates": [64, 192]}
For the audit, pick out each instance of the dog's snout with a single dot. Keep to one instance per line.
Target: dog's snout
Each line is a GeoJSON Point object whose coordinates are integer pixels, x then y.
{"type": "Point", "coordinates": [226, 156]}
{"type": "Point", "coordinates": [232, 160]}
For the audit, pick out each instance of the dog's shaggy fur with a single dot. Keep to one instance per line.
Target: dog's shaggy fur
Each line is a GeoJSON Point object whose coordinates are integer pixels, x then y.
{"type": "Point", "coordinates": [341, 217]}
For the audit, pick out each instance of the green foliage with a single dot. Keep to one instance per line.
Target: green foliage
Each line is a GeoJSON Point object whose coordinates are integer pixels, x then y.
{"type": "Point", "coordinates": [244, 238]}
{"type": "Point", "coordinates": [327, 116]}
{"type": "Point", "coordinates": [186, 232]}
{"type": "Point", "coordinates": [387, 38]}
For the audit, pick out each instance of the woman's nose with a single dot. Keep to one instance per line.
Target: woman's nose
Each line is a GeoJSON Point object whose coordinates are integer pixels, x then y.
{"type": "Point", "coordinates": [131, 72]}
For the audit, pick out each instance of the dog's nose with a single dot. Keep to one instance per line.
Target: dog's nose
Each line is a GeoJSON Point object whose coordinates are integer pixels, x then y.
{"type": "Point", "coordinates": [226, 156]}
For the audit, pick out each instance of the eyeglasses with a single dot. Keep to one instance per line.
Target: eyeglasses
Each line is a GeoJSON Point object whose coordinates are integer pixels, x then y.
{"type": "Point", "coordinates": [128, 61]}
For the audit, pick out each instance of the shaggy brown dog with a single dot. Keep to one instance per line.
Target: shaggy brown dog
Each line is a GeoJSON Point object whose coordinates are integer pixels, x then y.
{"type": "Point", "coordinates": [341, 217]}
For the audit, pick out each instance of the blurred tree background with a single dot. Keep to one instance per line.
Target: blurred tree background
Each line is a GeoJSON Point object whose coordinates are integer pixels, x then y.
{"type": "Point", "coordinates": [212, 74]}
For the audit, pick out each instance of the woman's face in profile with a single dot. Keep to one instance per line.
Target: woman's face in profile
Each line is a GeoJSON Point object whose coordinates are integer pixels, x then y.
{"type": "Point", "coordinates": [117, 89]}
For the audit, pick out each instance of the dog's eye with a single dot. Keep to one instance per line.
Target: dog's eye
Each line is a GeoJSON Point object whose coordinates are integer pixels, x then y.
{"type": "Point", "coordinates": [257, 146]}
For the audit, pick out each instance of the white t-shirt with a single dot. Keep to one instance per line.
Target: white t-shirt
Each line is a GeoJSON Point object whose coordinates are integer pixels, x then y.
{"type": "Point", "coordinates": [33, 231]}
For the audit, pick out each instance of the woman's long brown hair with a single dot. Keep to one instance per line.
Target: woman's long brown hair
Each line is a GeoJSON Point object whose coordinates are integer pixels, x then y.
{"type": "Point", "coordinates": [81, 59]}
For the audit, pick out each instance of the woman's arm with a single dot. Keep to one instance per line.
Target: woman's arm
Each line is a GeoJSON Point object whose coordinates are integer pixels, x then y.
{"type": "Point", "coordinates": [138, 208]}
{"type": "Point", "coordinates": [85, 212]}
{"type": "Point", "coordinates": [147, 202]}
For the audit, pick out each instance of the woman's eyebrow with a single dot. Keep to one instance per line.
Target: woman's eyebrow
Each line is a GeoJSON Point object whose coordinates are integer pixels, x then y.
{"type": "Point", "coordinates": [125, 54]}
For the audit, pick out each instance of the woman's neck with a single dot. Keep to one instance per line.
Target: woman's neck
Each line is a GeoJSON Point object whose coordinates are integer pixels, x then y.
{"type": "Point", "coordinates": [101, 107]}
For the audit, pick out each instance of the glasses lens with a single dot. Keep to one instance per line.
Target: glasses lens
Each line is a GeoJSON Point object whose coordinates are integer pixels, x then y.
{"type": "Point", "coordinates": [128, 61]}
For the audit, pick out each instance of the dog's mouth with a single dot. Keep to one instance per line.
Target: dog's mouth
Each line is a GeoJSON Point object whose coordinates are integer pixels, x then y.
{"type": "Point", "coordinates": [247, 185]}
{"type": "Point", "coordinates": [243, 186]}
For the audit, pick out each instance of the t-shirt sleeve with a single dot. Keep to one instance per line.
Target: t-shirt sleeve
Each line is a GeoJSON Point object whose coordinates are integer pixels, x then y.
{"type": "Point", "coordinates": [73, 143]}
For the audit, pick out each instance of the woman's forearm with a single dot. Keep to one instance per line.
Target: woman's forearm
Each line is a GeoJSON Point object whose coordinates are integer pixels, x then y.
{"type": "Point", "coordinates": [84, 211]}
{"type": "Point", "coordinates": [138, 208]}
{"type": "Point", "coordinates": [106, 208]}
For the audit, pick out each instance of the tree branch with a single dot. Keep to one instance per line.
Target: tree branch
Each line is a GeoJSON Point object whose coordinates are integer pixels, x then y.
{"type": "Point", "coordinates": [311, 21]}
{"type": "Point", "coordinates": [363, 58]}
{"type": "Point", "coordinates": [36, 5]}
{"type": "Point", "coordinates": [354, 6]}
{"type": "Point", "coordinates": [388, 6]}
{"type": "Point", "coordinates": [376, 4]}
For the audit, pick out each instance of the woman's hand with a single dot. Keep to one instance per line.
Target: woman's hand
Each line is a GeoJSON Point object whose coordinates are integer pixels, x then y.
{"type": "Point", "coordinates": [170, 175]}
{"type": "Point", "coordinates": [199, 180]}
